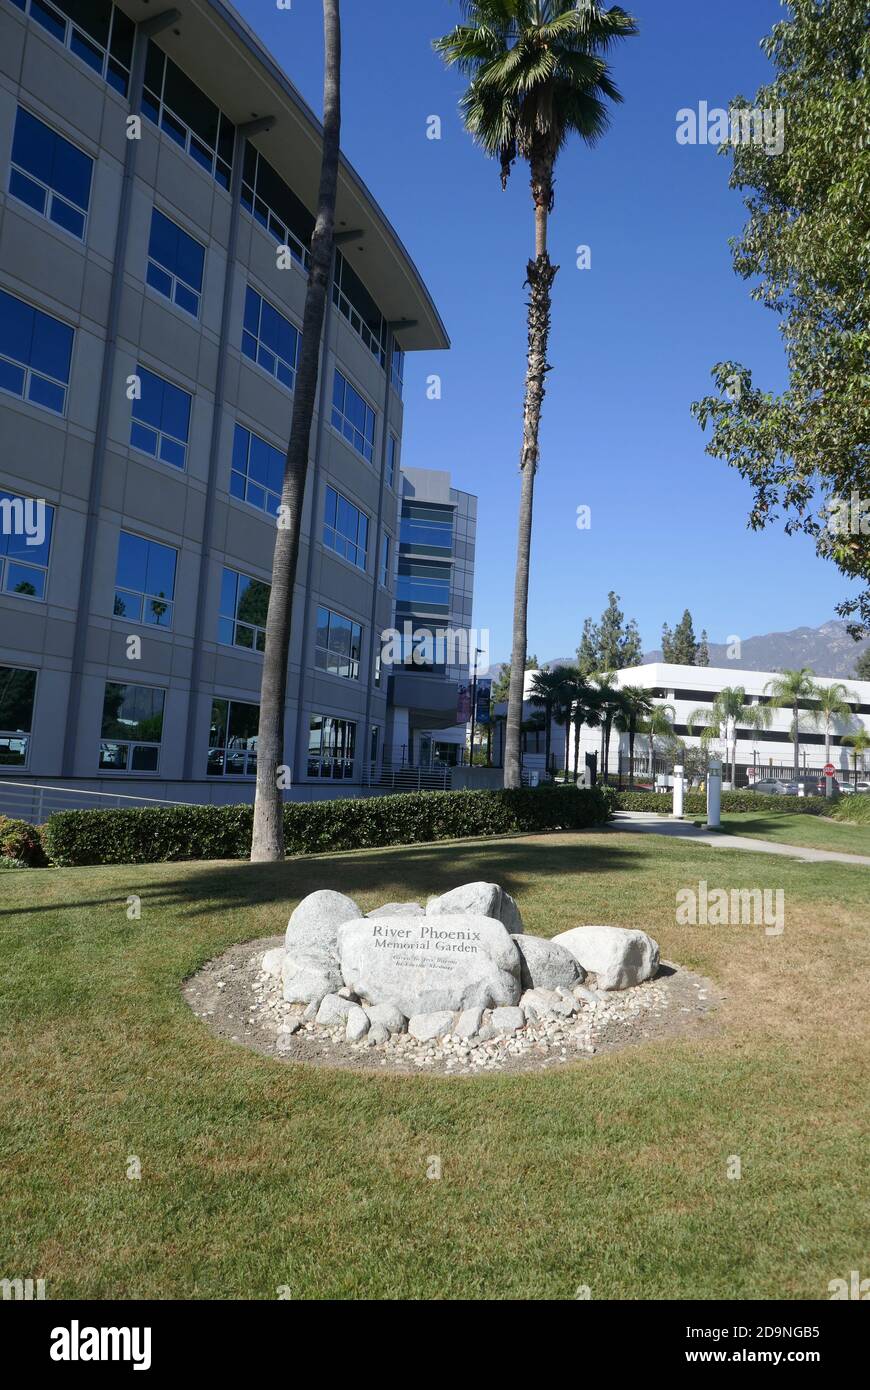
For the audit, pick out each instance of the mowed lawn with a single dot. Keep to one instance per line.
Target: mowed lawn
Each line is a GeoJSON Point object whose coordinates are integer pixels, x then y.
{"type": "Point", "coordinates": [258, 1175]}
{"type": "Point", "coordinates": [814, 832]}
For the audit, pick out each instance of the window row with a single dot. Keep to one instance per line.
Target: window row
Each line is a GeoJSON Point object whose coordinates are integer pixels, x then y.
{"type": "Point", "coordinates": [146, 569]}
{"type": "Point", "coordinates": [132, 723]}
{"type": "Point", "coordinates": [102, 36]}
{"type": "Point", "coordinates": [36, 361]}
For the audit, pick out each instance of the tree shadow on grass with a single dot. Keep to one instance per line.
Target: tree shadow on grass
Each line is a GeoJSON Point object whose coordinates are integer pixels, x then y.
{"type": "Point", "coordinates": [412, 871]}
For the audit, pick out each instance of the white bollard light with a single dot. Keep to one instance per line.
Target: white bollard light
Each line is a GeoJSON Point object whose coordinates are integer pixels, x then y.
{"type": "Point", "coordinates": [714, 794]}
{"type": "Point", "coordinates": [679, 787]}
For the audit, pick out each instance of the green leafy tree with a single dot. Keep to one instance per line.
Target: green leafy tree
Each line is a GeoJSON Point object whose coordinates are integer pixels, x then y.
{"type": "Point", "coordinates": [806, 250]}
{"type": "Point", "coordinates": [732, 709]}
{"type": "Point", "coordinates": [610, 645]}
{"type": "Point", "coordinates": [548, 689]}
{"type": "Point", "coordinates": [537, 78]}
{"type": "Point", "coordinates": [702, 657]}
{"type": "Point", "coordinates": [268, 836]}
{"type": "Point", "coordinates": [862, 666]}
{"type": "Point", "coordinates": [501, 685]}
{"type": "Point", "coordinates": [859, 743]}
{"type": "Point", "coordinates": [832, 706]}
{"type": "Point", "coordinates": [637, 705]}
{"type": "Point", "coordinates": [659, 723]}
{"type": "Point", "coordinates": [789, 690]}
{"type": "Point", "coordinates": [680, 646]}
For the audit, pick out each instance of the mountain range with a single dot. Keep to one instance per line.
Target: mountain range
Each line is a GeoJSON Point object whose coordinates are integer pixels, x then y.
{"type": "Point", "coordinates": [828, 650]}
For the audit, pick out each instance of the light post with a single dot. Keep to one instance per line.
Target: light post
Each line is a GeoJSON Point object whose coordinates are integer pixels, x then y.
{"type": "Point", "coordinates": [477, 653]}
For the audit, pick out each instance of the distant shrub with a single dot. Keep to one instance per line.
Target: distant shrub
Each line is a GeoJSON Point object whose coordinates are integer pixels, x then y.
{"type": "Point", "coordinates": [695, 803]}
{"type": "Point", "coordinates": [853, 808]}
{"type": "Point", "coordinates": [21, 843]}
{"type": "Point", "coordinates": [158, 834]}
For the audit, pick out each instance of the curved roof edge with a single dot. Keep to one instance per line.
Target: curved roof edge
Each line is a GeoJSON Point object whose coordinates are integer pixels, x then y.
{"type": "Point", "coordinates": [430, 331]}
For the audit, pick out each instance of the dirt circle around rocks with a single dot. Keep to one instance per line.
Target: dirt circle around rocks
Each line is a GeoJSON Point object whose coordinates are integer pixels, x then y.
{"type": "Point", "coordinates": [236, 1002]}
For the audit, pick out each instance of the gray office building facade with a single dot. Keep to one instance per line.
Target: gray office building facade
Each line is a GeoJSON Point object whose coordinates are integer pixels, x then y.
{"type": "Point", "coordinates": [157, 178]}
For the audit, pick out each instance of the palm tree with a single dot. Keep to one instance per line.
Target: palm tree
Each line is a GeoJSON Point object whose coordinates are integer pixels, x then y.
{"type": "Point", "coordinates": [787, 691]}
{"type": "Point", "coordinates": [659, 723]}
{"type": "Point", "coordinates": [637, 705]}
{"type": "Point", "coordinates": [730, 707]}
{"type": "Point", "coordinates": [536, 77]}
{"type": "Point", "coordinates": [268, 837]}
{"type": "Point", "coordinates": [859, 742]}
{"type": "Point", "coordinates": [831, 705]}
{"type": "Point", "coordinates": [607, 703]}
{"type": "Point", "coordinates": [546, 689]}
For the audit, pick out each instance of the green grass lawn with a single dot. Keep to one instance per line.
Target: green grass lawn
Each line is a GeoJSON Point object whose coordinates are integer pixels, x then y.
{"type": "Point", "coordinates": [816, 832]}
{"type": "Point", "coordinates": [257, 1174]}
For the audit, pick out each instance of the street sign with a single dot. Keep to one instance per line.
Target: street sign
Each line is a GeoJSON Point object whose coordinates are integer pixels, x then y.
{"type": "Point", "coordinates": [829, 769]}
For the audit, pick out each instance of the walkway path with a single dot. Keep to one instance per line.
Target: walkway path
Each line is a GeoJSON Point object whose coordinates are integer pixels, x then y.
{"type": "Point", "coordinates": [651, 823]}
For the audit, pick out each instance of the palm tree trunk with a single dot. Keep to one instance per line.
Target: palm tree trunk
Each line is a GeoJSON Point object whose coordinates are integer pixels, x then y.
{"type": "Point", "coordinates": [631, 759]}
{"type": "Point", "coordinates": [548, 711]}
{"type": "Point", "coordinates": [268, 836]}
{"type": "Point", "coordinates": [539, 277]}
{"type": "Point", "coordinates": [734, 763]}
{"type": "Point", "coordinates": [576, 744]}
{"type": "Point", "coordinates": [568, 709]}
{"type": "Point", "coordinates": [797, 744]}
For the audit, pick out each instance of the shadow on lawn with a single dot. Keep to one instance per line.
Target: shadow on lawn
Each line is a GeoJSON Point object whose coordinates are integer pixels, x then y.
{"type": "Point", "coordinates": [415, 871]}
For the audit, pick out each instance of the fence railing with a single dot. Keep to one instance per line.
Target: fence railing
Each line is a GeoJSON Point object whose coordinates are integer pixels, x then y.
{"type": "Point", "coordinates": [35, 802]}
{"type": "Point", "coordinates": [407, 779]}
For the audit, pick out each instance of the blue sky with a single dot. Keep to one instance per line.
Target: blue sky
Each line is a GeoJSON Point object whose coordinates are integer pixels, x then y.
{"type": "Point", "coordinates": [633, 339]}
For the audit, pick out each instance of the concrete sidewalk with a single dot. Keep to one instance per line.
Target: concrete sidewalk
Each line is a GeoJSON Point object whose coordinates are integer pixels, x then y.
{"type": "Point", "coordinates": [650, 823]}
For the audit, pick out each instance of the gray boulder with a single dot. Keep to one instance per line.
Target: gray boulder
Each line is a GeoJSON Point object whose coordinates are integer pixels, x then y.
{"type": "Point", "coordinates": [333, 1010]}
{"type": "Point", "coordinates": [468, 1023]}
{"type": "Point", "coordinates": [315, 922]}
{"type": "Point", "coordinates": [273, 962]}
{"type": "Point", "coordinates": [618, 956]}
{"type": "Point", "coordinates": [427, 964]}
{"type": "Point", "coordinates": [483, 899]}
{"type": "Point", "coordinates": [386, 1016]}
{"type": "Point", "coordinates": [508, 1020]}
{"type": "Point", "coordinates": [308, 976]}
{"type": "Point", "coordinates": [357, 1024]}
{"type": "Point", "coordinates": [537, 1003]}
{"type": "Point", "coordinates": [546, 965]}
{"type": "Point", "coordinates": [425, 1027]}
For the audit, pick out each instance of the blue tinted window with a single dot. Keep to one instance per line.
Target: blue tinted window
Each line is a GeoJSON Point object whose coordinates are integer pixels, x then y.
{"type": "Point", "coordinates": [353, 417]}
{"type": "Point", "coordinates": [144, 581]}
{"type": "Point", "coordinates": [26, 525]}
{"type": "Point", "coordinates": [161, 419]}
{"type": "Point", "coordinates": [270, 339]}
{"type": "Point", "coordinates": [35, 354]}
{"type": "Point", "coordinates": [175, 263]}
{"type": "Point", "coordinates": [345, 528]}
{"type": "Point", "coordinates": [50, 174]}
{"type": "Point", "coordinates": [257, 474]}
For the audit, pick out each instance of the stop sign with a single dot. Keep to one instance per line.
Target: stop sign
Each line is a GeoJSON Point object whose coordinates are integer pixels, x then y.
{"type": "Point", "coordinates": [829, 769]}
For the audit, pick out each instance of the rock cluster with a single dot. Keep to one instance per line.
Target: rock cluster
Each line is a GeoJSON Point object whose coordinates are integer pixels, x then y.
{"type": "Point", "coordinates": [459, 973]}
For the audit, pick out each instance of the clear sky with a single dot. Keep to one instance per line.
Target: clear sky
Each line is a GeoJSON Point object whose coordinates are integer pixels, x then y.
{"type": "Point", "coordinates": [633, 338]}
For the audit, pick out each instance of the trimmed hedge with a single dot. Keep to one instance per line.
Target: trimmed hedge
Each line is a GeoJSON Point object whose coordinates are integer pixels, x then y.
{"type": "Point", "coordinates": [695, 803]}
{"type": "Point", "coordinates": [155, 835]}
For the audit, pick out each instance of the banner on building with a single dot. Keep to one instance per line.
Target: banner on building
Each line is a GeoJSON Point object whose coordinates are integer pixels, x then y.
{"type": "Point", "coordinates": [484, 700]}
{"type": "Point", "coordinates": [463, 704]}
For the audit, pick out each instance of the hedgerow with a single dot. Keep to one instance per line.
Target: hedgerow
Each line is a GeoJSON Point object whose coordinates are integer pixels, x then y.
{"type": "Point", "coordinates": [159, 834]}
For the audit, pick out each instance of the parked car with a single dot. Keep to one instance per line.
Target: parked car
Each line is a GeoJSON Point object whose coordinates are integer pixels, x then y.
{"type": "Point", "coordinates": [850, 789]}
{"type": "Point", "coordinates": [813, 785]}
{"type": "Point", "coordinates": [768, 786]}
